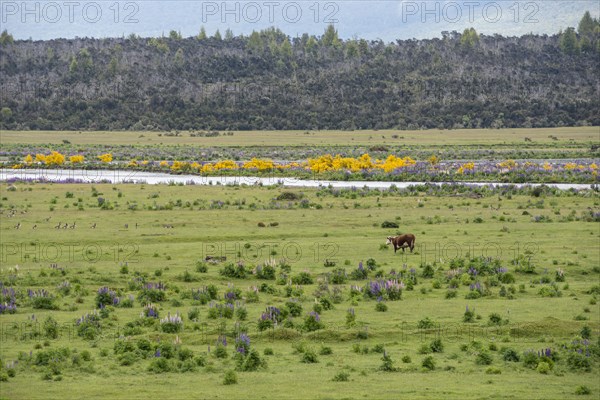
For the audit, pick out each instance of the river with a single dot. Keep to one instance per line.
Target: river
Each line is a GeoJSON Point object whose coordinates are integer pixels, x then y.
{"type": "Point", "coordinates": [157, 178]}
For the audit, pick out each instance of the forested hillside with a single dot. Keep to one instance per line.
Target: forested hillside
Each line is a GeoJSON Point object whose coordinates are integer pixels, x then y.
{"type": "Point", "coordinates": [270, 81]}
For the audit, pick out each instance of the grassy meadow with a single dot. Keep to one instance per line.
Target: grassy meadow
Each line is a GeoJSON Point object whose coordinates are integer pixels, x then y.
{"type": "Point", "coordinates": [498, 300]}
{"type": "Point", "coordinates": [564, 137]}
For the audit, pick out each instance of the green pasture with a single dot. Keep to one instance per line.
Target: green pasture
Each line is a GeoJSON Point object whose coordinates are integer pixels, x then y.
{"type": "Point", "coordinates": [162, 232]}
{"type": "Point", "coordinates": [562, 137]}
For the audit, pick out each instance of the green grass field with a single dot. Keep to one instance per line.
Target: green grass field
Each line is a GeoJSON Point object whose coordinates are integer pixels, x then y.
{"type": "Point", "coordinates": [471, 137]}
{"type": "Point", "coordinates": [160, 233]}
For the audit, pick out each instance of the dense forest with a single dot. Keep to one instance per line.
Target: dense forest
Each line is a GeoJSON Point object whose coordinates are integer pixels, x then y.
{"type": "Point", "coordinates": [268, 80]}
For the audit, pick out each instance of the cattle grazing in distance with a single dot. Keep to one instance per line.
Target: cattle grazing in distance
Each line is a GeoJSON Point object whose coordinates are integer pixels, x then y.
{"type": "Point", "coordinates": [402, 242]}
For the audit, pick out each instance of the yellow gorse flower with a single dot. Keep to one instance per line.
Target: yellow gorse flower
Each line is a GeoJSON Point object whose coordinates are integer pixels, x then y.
{"type": "Point", "coordinates": [76, 159]}
{"type": "Point", "coordinates": [54, 158]}
{"type": "Point", "coordinates": [105, 158]}
{"type": "Point", "coordinates": [466, 167]}
{"type": "Point", "coordinates": [261, 165]}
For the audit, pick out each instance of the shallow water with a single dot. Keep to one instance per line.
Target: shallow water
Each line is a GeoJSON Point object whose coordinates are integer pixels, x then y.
{"type": "Point", "coordinates": [156, 178]}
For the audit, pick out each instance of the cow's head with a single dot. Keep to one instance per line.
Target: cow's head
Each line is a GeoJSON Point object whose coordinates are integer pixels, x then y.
{"type": "Point", "coordinates": [389, 240]}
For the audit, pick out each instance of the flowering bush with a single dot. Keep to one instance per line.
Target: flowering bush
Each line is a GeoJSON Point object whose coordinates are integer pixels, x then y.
{"type": "Point", "coordinates": [152, 292]}
{"type": "Point", "coordinates": [312, 322]}
{"type": "Point", "coordinates": [105, 158]}
{"type": "Point", "coordinates": [205, 294]}
{"type": "Point", "coordinates": [384, 289]}
{"type": "Point", "coordinates": [41, 299]}
{"type": "Point", "coordinates": [149, 311]}
{"type": "Point", "coordinates": [76, 159]}
{"type": "Point", "coordinates": [235, 271]}
{"type": "Point", "coordinates": [171, 323]}
{"type": "Point", "coordinates": [269, 318]}
{"type": "Point", "coordinates": [216, 310]}
{"type": "Point", "coordinates": [106, 297]}
{"type": "Point", "coordinates": [88, 326]}
{"type": "Point", "coordinates": [8, 298]}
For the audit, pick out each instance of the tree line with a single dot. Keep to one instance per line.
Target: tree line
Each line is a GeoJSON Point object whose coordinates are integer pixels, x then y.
{"type": "Point", "coordinates": [268, 80]}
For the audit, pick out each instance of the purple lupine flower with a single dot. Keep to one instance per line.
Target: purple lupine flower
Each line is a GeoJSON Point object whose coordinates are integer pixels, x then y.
{"type": "Point", "coordinates": [315, 315]}
{"type": "Point", "coordinates": [157, 354]}
{"type": "Point", "coordinates": [222, 340]}
{"type": "Point", "coordinates": [38, 293]}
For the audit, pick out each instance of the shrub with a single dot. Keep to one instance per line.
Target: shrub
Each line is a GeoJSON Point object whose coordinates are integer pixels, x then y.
{"type": "Point", "coordinates": [220, 351]}
{"type": "Point", "coordinates": [88, 326]}
{"type": "Point", "coordinates": [265, 272]}
{"type": "Point", "coordinates": [310, 357]}
{"type": "Point", "coordinates": [187, 276]}
{"type": "Point", "coordinates": [428, 363]}
{"type": "Point", "coordinates": [338, 276]}
{"type": "Point", "coordinates": [294, 307]}
{"type": "Point", "coordinates": [359, 273]}
{"type": "Point", "coordinates": [406, 360]}
{"type": "Point", "coordinates": [159, 365]}
{"type": "Point", "coordinates": [201, 267]}
{"type": "Point", "coordinates": [289, 196]}
{"type": "Point", "coordinates": [495, 319]}
{"type": "Point", "coordinates": [86, 355]}
{"type": "Point", "coordinates": [230, 378]}
{"type": "Point", "coordinates": [241, 313]}
{"type": "Point", "coordinates": [341, 377]}
{"type": "Point", "coordinates": [582, 390]}
{"type": "Point", "coordinates": [378, 348]}
{"type": "Point", "coordinates": [249, 361]}
{"type": "Point", "coordinates": [543, 367]}
{"type": "Point", "coordinates": [428, 271]}
{"type": "Point", "coordinates": [194, 314]}
{"type": "Point", "coordinates": [390, 225]}
{"type": "Point", "coordinates": [381, 306]}
{"type": "Point", "coordinates": [303, 278]}
{"type": "Point", "coordinates": [41, 299]}
{"type": "Point", "coordinates": [312, 322]}
{"type": "Point", "coordinates": [144, 345]}
{"type": "Point", "coordinates": [387, 364]}
{"type": "Point", "coordinates": [424, 349]}
{"type": "Point", "coordinates": [510, 355]}
{"type": "Point", "coordinates": [506, 278]}
{"type": "Point", "coordinates": [469, 315]}
{"type": "Point", "coordinates": [437, 346]}
{"type": "Point", "coordinates": [152, 292]}
{"type": "Point", "coordinates": [225, 310]}
{"type": "Point", "coordinates": [171, 323]}
{"type": "Point", "coordinates": [234, 271]}
{"type": "Point", "coordinates": [425, 323]}
{"type": "Point", "coordinates": [578, 362]}
{"type": "Point", "coordinates": [483, 358]}
{"type": "Point", "coordinates": [50, 328]}
{"type": "Point", "coordinates": [530, 359]}
{"type": "Point", "coordinates": [586, 332]}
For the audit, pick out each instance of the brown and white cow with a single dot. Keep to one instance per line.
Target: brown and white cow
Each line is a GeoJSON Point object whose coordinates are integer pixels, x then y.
{"type": "Point", "coordinates": [402, 241]}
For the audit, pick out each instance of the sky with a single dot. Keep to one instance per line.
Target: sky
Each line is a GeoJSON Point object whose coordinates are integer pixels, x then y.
{"type": "Point", "coordinates": [368, 19]}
